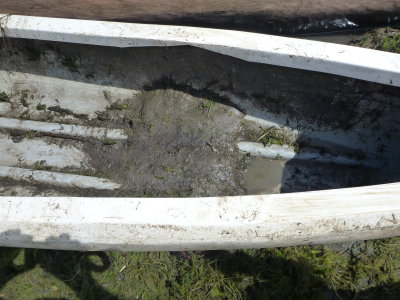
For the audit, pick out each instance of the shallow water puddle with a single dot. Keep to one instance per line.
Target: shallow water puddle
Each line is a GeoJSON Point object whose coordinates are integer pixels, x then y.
{"type": "Point", "coordinates": [264, 176]}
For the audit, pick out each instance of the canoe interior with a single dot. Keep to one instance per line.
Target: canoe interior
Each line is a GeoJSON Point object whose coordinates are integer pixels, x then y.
{"type": "Point", "coordinates": [187, 122]}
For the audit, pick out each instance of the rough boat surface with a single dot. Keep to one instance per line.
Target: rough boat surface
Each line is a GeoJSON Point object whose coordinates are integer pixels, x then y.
{"type": "Point", "coordinates": [201, 224]}
{"type": "Point", "coordinates": [130, 147]}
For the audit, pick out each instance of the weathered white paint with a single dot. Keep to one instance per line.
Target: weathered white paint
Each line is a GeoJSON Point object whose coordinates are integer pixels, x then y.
{"type": "Point", "coordinates": [78, 97]}
{"type": "Point", "coordinates": [38, 151]}
{"type": "Point", "coordinates": [57, 179]}
{"type": "Point", "coordinates": [365, 64]}
{"type": "Point", "coordinates": [201, 223]}
{"type": "Point", "coordinates": [287, 153]}
{"type": "Point", "coordinates": [63, 129]}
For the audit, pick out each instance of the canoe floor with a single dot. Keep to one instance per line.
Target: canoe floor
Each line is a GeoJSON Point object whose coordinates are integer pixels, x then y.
{"type": "Point", "coordinates": [80, 120]}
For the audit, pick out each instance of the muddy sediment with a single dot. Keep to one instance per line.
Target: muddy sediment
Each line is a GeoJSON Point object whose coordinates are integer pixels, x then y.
{"type": "Point", "coordinates": [184, 117]}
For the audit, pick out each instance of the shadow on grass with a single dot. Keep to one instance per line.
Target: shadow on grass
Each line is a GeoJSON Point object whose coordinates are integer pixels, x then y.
{"type": "Point", "coordinates": [72, 268]}
{"type": "Point", "coordinates": [286, 273]}
{"type": "Point", "coordinates": [275, 276]}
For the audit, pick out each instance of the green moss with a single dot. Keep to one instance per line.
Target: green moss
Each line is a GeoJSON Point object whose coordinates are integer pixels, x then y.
{"type": "Point", "coordinates": [165, 118]}
{"type": "Point", "coordinates": [169, 170]}
{"type": "Point", "coordinates": [207, 106]}
{"type": "Point", "coordinates": [40, 166]}
{"type": "Point", "coordinates": [119, 106]}
{"type": "Point", "coordinates": [391, 44]}
{"type": "Point", "coordinates": [109, 142]}
{"type": "Point", "coordinates": [41, 107]}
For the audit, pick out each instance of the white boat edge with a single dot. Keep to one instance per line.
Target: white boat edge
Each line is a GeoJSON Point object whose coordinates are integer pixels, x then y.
{"type": "Point", "coordinates": [159, 224]}
{"type": "Point", "coordinates": [354, 62]}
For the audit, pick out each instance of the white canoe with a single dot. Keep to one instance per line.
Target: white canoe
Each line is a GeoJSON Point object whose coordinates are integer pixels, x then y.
{"type": "Point", "coordinates": [59, 96]}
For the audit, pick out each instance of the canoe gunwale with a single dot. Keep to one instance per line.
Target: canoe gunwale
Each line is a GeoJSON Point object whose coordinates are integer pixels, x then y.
{"type": "Point", "coordinates": [158, 224]}
{"type": "Point", "coordinates": [354, 62]}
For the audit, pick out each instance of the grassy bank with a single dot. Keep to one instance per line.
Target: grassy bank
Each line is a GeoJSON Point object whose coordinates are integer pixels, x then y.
{"type": "Point", "coordinates": [358, 270]}
{"type": "Point", "coordinates": [384, 39]}
{"type": "Point", "coordinates": [362, 270]}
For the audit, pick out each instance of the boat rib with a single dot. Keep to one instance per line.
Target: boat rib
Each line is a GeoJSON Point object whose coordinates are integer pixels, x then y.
{"type": "Point", "coordinates": [63, 129]}
{"type": "Point", "coordinates": [57, 178]}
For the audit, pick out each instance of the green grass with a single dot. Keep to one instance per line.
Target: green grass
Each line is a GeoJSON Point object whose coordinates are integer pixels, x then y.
{"type": "Point", "coordinates": [273, 136]}
{"type": "Point", "coordinates": [391, 44]}
{"type": "Point", "coordinates": [207, 106]}
{"type": "Point", "coordinates": [74, 275]}
{"type": "Point", "coordinates": [385, 39]}
{"type": "Point", "coordinates": [282, 273]}
{"type": "Point", "coordinates": [41, 106]}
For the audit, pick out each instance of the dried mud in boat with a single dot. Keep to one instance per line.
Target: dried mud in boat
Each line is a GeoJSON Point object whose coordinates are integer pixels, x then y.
{"type": "Point", "coordinates": [180, 121]}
